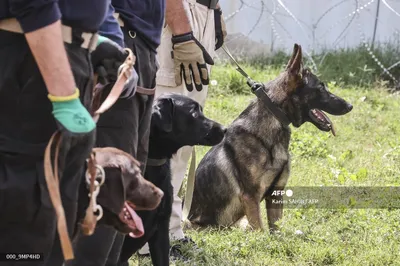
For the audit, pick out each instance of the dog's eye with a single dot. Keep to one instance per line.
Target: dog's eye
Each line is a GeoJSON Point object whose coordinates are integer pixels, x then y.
{"type": "Point", "coordinates": [195, 114]}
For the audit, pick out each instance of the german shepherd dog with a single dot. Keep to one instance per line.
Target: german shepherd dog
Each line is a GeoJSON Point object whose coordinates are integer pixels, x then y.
{"type": "Point", "coordinates": [253, 158]}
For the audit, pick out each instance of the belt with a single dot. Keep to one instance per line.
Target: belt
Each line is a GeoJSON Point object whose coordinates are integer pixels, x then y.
{"type": "Point", "coordinates": [211, 4]}
{"type": "Point", "coordinates": [89, 39]}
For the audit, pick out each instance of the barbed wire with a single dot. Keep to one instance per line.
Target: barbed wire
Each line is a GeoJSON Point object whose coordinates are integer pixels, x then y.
{"type": "Point", "coordinates": [274, 31]}
{"type": "Point", "coordinates": [337, 23]}
{"type": "Point", "coordinates": [390, 8]}
{"type": "Point", "coordinates": [374, 57]}
{"type": "Point", "coordinates": [258, 20]}
{"type": "Point", "coordinates": [298, 23]}
{"type": "Point", "coordinates": [272, 9]}
{"type": "Point", "coordinates": [233, 14]}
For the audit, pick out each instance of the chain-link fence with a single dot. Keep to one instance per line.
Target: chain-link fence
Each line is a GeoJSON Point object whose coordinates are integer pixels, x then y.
{"type": "Point", "coordinates": [260, 28]}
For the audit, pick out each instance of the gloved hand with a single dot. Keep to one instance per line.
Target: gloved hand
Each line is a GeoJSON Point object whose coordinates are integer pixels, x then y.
{"type": "Point", "coordinates": [71, 116]}
{"type": "Point", "coordinates": [190, 59]}
{"type": "Point", "coordinates": [107, 59]}
{"type": "Point", "coordinates": [107, 49]}
{"type": "Point", "coordinates": [220, 28]}
{"type": "Point", "coordinates": [78, 136]}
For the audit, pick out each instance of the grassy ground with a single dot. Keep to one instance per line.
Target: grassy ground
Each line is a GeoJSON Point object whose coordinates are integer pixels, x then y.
{"type": "Point", "coordinates": [365, 152]}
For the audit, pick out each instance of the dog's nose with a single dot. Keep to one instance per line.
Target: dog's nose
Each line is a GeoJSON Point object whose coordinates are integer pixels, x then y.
{"type": "Point", "coordinates": [349, 107]}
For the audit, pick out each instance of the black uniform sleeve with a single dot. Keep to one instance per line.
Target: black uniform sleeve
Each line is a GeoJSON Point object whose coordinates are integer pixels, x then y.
{"type": "Point", "coordinates": [35, 14]}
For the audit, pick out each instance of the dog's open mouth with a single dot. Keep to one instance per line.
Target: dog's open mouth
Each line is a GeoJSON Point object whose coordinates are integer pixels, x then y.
{"type": "Point", "coordinates": [322, 121]}
{"type": "Point", "coordinates": [129, 217]}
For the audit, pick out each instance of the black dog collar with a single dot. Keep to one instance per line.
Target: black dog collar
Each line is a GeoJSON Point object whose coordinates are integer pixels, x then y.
{"type": "Point", "coordinates": [156, 162]}
{"type": "Point", "coordinates": [258, 90]}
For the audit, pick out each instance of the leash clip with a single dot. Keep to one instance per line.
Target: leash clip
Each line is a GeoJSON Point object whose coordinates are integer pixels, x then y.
{"type": "Point", "coordinates": [98, 181]}
{"type": "Point", "coordinates": [96, 207]}
{"type": "Point", "coordinates": [100, 176]}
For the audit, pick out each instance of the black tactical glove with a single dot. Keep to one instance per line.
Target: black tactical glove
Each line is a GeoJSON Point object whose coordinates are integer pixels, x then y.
{"type": "Point", "coordinates": [107, 59]}
{"type": "Point", "coordinates": [220, 28]}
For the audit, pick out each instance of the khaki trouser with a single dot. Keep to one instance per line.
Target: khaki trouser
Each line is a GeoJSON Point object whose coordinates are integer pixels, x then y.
{"type": "Point", "coordinates": [202, 21]}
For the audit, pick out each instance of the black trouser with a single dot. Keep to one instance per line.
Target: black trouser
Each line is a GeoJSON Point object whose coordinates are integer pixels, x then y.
{"type": "Point", "coordinates": [125, 126]}
{"type": "Point", "coordinates": [28, 222]}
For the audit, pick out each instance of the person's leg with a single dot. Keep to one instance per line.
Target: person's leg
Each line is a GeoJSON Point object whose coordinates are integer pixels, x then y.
{"type": "Point", "coordinates": [28, 217]}
{"type": "Point", "coordinates": [147, 69]}
{"type": "Point", "coordinates": [116, 128]}
{"type": "Point", "coordinates": [202, 22]}
{"type": "Point", "coordinates": [73, 151]}
{"type": "Point", "coordinates": [124, 126]}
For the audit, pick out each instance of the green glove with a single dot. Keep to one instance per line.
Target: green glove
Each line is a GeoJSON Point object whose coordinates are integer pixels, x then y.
{"type": "Point", "coordinates": [71, 114]}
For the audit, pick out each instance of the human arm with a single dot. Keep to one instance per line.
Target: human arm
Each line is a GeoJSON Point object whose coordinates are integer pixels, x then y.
{"type": "Point", "coordinates": [40, 21]}
{"type": "Point", "coordinates": [48, 50]}
{"type": "Point", "coordinates": [111, 29]}
{"type": "Point", "coordinates": [176, 17]}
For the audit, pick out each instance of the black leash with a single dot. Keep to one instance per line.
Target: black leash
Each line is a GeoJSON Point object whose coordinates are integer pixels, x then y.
{"type": "Point", "coordinates": [258, 89]}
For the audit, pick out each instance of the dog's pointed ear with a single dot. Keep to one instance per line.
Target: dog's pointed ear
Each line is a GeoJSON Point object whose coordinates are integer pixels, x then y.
{"type": "Point", "coordinates": [294, 53]}
{"type": "Point", "coordinates": [163, 114]}
{"type": "Point", "coordinates": [295, 63]}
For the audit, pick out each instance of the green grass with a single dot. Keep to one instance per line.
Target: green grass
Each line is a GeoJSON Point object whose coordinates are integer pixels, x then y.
{"type": "Point", "coordinates": [365, 152]}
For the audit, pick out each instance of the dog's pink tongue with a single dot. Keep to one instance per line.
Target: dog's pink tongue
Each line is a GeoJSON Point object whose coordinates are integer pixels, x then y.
{"type": "Point", "coordinates": [139, 230]}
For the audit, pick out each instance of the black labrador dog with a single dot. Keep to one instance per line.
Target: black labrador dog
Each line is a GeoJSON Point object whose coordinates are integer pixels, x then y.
{"type": "Point", "coordinates": [177, 121]}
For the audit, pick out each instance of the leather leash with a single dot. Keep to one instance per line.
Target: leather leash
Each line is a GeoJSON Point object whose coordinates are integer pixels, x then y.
{"type": "Point", "coordinates": [52, 181]}
{"type": "Point", "coordinates": [51, 174]}
{"type": "Point", "coordinates": [118, 86]}
{"type": "Point", "coordinates": [89, 222]}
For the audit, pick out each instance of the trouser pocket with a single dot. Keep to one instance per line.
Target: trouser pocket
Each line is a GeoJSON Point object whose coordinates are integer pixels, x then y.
{"type": "Point", "coordinates": [20, 190]}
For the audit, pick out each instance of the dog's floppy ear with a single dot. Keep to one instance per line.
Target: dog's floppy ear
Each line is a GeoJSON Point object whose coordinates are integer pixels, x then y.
{"type": "Point", "coordinates": [113, 192]}
{"type": "Point", "coordinates": [163, 114]}
{"type": "Point", "coordinates": [295, 62]}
